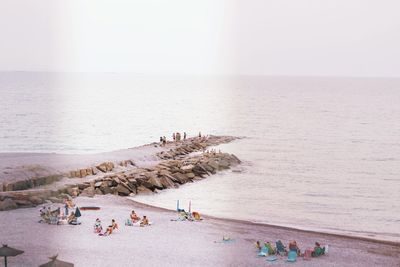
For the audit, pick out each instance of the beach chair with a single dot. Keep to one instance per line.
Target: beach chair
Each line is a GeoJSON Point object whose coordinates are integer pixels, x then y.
{"type": "Point", "coordinates": [53, 220]}
{"type": "Point", "coordinates": [263, 252]}
{"type": "Point", "coordinates": [292, 256]}
{"type": "Point", "coordinates": [280, 248]}
{"type": "Point", "coordinates": [307, 254]}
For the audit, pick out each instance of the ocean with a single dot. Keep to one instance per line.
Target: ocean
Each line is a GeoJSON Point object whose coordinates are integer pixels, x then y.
{"type": "Point", "coordinates": [319, 153]}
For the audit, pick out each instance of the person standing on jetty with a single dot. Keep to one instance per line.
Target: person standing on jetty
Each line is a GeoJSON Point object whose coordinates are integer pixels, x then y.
{"type": "Point", "coordinates": [164, 140]}
{"type": "Point", "coordinates": [174, 137]}
{"type": "Point", "coordinates": [199, 134]}
{"type": "Point", "coordinates": [178, 137]}
{"type": "Point", "coordinates": [184, 135]}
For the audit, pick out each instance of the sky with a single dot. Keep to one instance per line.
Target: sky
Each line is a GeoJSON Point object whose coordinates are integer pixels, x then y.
{"type": "Point", "coordinates": [240, 37]}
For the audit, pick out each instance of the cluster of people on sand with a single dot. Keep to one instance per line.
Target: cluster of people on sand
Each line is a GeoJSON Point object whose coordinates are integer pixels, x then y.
{"type": "Point", "coordinates": [269, 249]}
{"type": "Point", "coordinates": [134, 219]}
{"type": "Point", "coordinates": [60, 216]}
{"type": "Point", "coordinates": [98, 228]}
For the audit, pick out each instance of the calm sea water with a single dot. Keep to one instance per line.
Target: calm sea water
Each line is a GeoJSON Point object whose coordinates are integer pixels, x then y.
{"type": "Point", "coordinates": [320, 153]}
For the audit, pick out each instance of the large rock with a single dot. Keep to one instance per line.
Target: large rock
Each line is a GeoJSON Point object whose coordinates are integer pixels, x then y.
{"type": "Point", "coordinates": [187, 168]}
{"type": "Point", "coordinates": [155, 182]}
{"type": "Point", "coordinates": [122, 190]}
{"type": "Point", "coordinates": [88, 192]}
{"type": "Point", "coordinates": [8, 204]}
{"type": "Point", "coordinates": [143, 190]}
{"type": "Point", "coordinates": [180, 177]}
{"type": "Point", "coordinates": [224, 164]}
{"type": "Point", "coordinates": [166, 182]}
{"type": "Point", "coordinates": [190, 175]}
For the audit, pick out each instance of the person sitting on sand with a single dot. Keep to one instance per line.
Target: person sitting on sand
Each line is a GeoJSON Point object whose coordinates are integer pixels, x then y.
{"type": "Point", "coordinates": [114, 224]}
{"type": "Point", "coordinates": [293, 247]}
{"type": "Point", "coordinates": [108, 231]}
{"type": "Point", "coordinates": [97, 226]}
{"type": "Point", "coordinates": [134, 217]}
{"type": "Point", "coordinates": [258, 245]}
{"type": "Point", "coordinates": [271, 250]}
{"type": "Point", "coordinates": [72, 219]}
{"type": "Point", "coordinates": [144, 221]}
{"type": "Point", "coordinates": [318, 250]}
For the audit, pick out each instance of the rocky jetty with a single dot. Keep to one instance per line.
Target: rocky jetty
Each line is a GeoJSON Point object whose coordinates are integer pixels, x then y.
{"type": "Point", "coordinates": [183, 162]}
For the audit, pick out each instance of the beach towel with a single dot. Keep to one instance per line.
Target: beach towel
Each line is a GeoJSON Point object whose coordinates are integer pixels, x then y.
{"type": "Point", "coordinates": [272, 258]}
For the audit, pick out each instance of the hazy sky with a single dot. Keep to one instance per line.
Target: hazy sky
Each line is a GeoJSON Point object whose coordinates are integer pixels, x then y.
{"type": "Point", "coordinates": [280, 37]}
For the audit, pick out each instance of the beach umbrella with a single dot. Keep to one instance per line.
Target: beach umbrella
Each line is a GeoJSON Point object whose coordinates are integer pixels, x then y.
{"type": "Point", "coordinates": [177, 205]}
{"type": "Point", "coordinates": [57, 263]}
{"type": "Point", "coordinates": [77, 212]}
{"type": "Point", "coordinates": [6, 251]}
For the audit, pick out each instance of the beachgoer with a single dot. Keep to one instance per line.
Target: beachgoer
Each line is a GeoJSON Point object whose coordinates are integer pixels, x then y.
{"type": "Point", "coordinates": [199, 134]}
{"type": "Point", "coordinates": [109, 230]}
{"type": "Point", "coordinates": [164, 140]}
{"type": "Point", "coordinates": [258, 245]}
{"type": "Point", "coordinates": [97, 226]}
{"type": "Point", "coordinates": [293, 247]}
{"type": "Point", "coordinates": [318, 250]}
{"type": "Point", "coordinates": [271, 250]}
{"type": "Point", "coordinates": [184, 135]}
{"type": "Point", "coordinates": [161, 140]}
{"type": "Point", "coordinates": [144, 221]}
{"type": "Point", "coordinates": [174, 137]}
{"type": "Point", "coordinates": [72, 219]}
{"type": "Point", "coordinates": [114, 224]}
{"type": "Point", "coordinates": [134, 217]}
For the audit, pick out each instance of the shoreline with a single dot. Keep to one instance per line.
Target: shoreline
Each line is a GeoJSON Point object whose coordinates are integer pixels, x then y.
{"type": "Point", "coordinates": [171, 243]}
{"type": "Point", "coordinates": [336, 235]}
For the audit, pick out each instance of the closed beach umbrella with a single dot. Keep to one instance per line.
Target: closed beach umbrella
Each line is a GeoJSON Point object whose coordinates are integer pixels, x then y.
{"type": "Point", "coordinates": [77, 212]}
{"type": "Point", "coordinates": [6, 251]}
{"type": "Point", "coordinates": [57, 263]}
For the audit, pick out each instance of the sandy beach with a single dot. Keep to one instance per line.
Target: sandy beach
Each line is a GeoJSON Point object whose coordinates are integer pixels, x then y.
{"type": "Point", "coordinates": [171, 243]}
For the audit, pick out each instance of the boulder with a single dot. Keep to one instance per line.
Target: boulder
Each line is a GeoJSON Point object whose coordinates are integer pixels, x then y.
{"type": "Point", "coordinates": [97, 191]}
{"type": "Point", "coordinates": [180, 177]}
{"type": "Point", "coordinates": [95, 170]}
{"type": "Point", "coordinates": [88, 192]}
{"type": "Point", "coordinates": [98, 184]}
{"type": "Point", "coordinates": [224, 164]}
{"type": "Point", "coordinates": [190, 175]}
{"type": "Point", "coordinates": [166, 182]}
{"type": "Point", "coordinates": [155, 182]}
{"type": "Point", "coordinates": [37, 200]}
{"type": "Point", "coordinates": [122, 190]}
{"type": "Point", "coordinates": [24, 203]}
{"type": "Point", "coordinates": [106, 190]}
{"type": "Point", "coordinates": [213, 164]}
{"type": "Point", "coordinates": [8, 204]}
{"type": "Point", "coordinates": [102, 167]}
{"type": "Point", "coordinates": [143, 190]}
{"type": "Point", "coordinates": [187, 168]}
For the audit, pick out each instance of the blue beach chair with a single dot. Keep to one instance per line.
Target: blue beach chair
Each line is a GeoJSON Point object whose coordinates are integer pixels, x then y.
{"type": "Point", "coordinates": [263, 252]}
{"type": "Point", "coordinates": [280, 248]}
{"type": "Point", "coordinates": [292, 256]}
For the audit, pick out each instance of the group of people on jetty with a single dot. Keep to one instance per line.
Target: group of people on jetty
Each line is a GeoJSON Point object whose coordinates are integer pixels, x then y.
{"type": "Point", "coordinates": [176, 137]}
{"type": "Point", "coordinates": [292, 251]}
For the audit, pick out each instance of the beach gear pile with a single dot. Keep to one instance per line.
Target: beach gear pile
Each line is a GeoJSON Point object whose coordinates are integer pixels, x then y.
{"type": "Point", "coordinates": [291, 253]}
